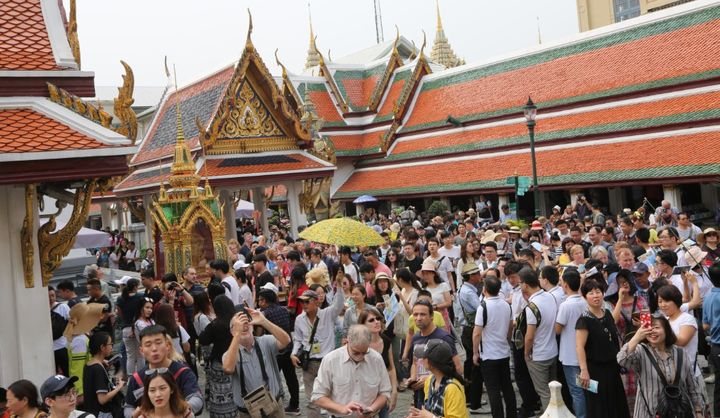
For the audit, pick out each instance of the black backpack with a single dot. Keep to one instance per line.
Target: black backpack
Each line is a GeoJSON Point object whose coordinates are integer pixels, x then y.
{"type": "Point", "coordinates": [58, 323]}
{"type": "Point", "coordinates": [674, 400]}
{"type": "Point", "coordinates": [521, 325]}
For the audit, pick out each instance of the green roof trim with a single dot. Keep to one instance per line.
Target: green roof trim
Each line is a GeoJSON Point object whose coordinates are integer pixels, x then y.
{"type": "Point", "coordinates": [399, 76]}
{"type": "Point", "coordinates": [553, 135]}
{"type": "Point", "coordinates": [598, 176]}
{"type": "Point", "coordinates": [629, 35]}
{"type": "Point", "coordinates": [320, 87]}
{"type": "Point", "coordinates": [357, 152]}
{"type": "Point", "coordinates": [569, 100]}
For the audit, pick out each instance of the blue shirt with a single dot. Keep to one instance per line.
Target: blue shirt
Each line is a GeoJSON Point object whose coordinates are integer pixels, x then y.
{"type": "Point", "coordinates": [711, 314]}
{"type": "Point", "coordinates": [469, 302]}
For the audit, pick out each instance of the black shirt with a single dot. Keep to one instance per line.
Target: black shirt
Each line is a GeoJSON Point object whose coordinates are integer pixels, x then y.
{"type": "Point", "coordinates": [129, 308]}
{"type": "Point", "coordinates": [155, 294]}
{"type": "Point", "coordinates": [262, 279]}
{"type": "Point", "coordinates": [96, 380]}
{"type": "Point", "coordinates": [218, 334]}
{"type": "Point", "coordinates": [413, 265]}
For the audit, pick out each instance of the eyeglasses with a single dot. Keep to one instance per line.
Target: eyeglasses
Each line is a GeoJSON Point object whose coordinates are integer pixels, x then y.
{"type": "Point", "coordinates": [72, 394]}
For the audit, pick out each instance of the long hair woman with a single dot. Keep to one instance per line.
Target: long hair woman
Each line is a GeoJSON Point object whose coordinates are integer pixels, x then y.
{"type": "Point", "coordinates": [165, 316]}
{"type": "Point", "coordinates": [444, 390]}
{"type": "Point", "coordinates": [656, 345]}
{"type": "Point", "coordinates": [22, 400]}
{"type": "Point", "coordinates": [440, 291]}
{"type": "Point", "coordinates": [101, 393]}
{"type": "Point", "coordinates": [467, 255]}
{"type": "Point", "coordinates": [218, 390]}
{"type": "Point", "coordinates": [392, 260]}
{"type": "Point", "coordinates": [357, 295]}
{"type": "Point", "coordinates": [162, 398]}
{"type": "Point", "coordinates": [144, 317]}
{"type": "Point", "coordinates": [203, 314]}
{"type": "Point", "coordinates": [597, 343]}
{"type": "Point", "coordinates": [128, 305]}
{"type": "Point", "coordinates": [375, 322]}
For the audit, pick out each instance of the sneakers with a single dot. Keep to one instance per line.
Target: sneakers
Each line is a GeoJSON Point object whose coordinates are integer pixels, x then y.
{"type": "Point", "coordinates": [710, 380]}
{"type": "Point", "coordinates": [292, 411]}
{"type": "Point", "coordinates": [478, 411]}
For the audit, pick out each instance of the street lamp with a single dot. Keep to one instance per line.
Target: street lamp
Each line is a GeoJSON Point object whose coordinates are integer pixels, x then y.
{"type": "Point", "coordinates": [530, 111]}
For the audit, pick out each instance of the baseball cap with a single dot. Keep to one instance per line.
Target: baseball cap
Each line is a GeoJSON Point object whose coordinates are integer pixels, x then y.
{"type": "Point", "coordinates": [435, 350]}
{"type": "Point", "coordinates": [240, 264]}
{"type": "Point", "coordinates": [640, 268]}
{"type": "Point", "coordinates": [309, 294]}
{"type": "Point", "coordinates": [269, 286]}
{"type": "Point", "coordinates": [416, 224]}
{"type": "Point", "coordinates": [55, 384]}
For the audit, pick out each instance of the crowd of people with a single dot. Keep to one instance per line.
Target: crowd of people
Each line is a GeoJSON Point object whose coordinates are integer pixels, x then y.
{"type": "Point", "coordinates": [617, 308]}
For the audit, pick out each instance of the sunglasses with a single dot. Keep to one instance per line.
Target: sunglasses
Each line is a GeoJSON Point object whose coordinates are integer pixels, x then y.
{"type": "Point", "coordinates": [150, 373]}
{"type": "Point", "coordinates": [373, 319]}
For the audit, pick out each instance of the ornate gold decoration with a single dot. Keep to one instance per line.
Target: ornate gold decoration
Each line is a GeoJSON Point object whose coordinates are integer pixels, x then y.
{"type": "Point", "coordinates": [315, 197]}
{"type": "Point", "coordinates": [184, 176]}
{"type": "Point", "coordinates": [442, 52]}
{"type": "Point", "coordinates": [324, 148]}
{"type": "Point", "coordinates": [253, 88]}
{"type": "Point", "coordinates": [123, 110]}
{"type": "Point", "coordinates": [72, 33]}
{"type": "Point", "coordinates": [136, 208]}
{"type": "Point", "coordinates": [288, 90]}
{"type": "Point", "coordinates": [28, 249]}
{"type": "Point", "coordinates": [331, 82]}
{"type": "Point", "coordinates": [313, 55]}
{"type": "Point", "coordinates": [394, 62]}
{"type": "Point", "coordinates": [77, 105]}
{"type": "Point", "coordinates": [56, 245]}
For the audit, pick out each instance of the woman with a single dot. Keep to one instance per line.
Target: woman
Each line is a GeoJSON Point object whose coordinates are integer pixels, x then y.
{"type": "Point", "coordinates": [392, 260]}
{"type": "Point", "coordinates": [162, 398]}
{"type": "Point", "coordinates": [102, 396]}
{"type": "Point", "coordinates": [114, 259]}
{"type": "Point", "coordinates": [567, 244]}
{"type": "Point", "coordinates": [358, 295]}
{"type": "Point", "coordinates": [444, 389]}
{"type": "Point", "coordinates": [374, 321]}
{"type": "Point", "coordinates": [203, 315]}
{"type": "Point", "coordinates": [657, 342]}
{"type": "Point", "coordinates": [409, 289]}
{"type": "Point", "coordinates": [597, 344]}
{"type": "Point", "coordinates": [22, 400]}
{"type": "Point", "coordinates": [165, 316]}
{"type": "Point", "coordinates": [577, 257]}
{"type": "Point", "coordinates": [467, 255]}
{"type": "Point", "coordinates": [322, 295]}
{"type": "Point", "coordinates": [439, 290]}
{"type": "Point", "coordinates": [128, 305]}
{"type": "Point", "coordinates": [297, 287]}
{"type": "Point", "coordinates": [218, 390]}
{"type": "Point", "coordinates": [233, 248]}
{"type": "Point", "coordinates": [144, 317]}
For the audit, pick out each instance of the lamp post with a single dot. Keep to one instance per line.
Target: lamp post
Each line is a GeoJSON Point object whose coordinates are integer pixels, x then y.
{"type": "Point", "coordinates": [530, 111]}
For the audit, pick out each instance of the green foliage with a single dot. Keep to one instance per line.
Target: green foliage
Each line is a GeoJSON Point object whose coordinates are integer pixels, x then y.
{"type": "Point", "coordinates": [437, 208]}
{"type": "Point", "coordinates": [519, 223]}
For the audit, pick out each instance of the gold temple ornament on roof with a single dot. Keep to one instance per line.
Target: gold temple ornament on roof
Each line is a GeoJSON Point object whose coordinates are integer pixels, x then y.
{"type": "Point", "coordinates": [442, 53]}
{"type": "Point", "coordinates": [123, 106]}
{"type": "Point", "coordinates": [26, 236]}
{"type": "Point", "coordinates": [72, 33]}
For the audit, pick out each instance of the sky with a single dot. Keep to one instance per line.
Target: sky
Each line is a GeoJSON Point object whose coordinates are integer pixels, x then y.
{"type": "Point", "coordinates": [200, 37]}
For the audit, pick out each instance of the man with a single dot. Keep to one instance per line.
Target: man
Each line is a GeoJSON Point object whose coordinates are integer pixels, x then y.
{"type": "Point", "coordinates": [180, 299]}
{"type": "Point", "coordinates": [540, 345]}
{"type": "Point", "coordinates": [279, 315]}
{"type": "Point", "coordinates": [448, 249]}
{"type": "Point", "coordinates": [152, 291]}
{"type": "Point", "coordinates": [148, 263]}
{"type": "Point", "coordinates": [371, 258]}
{"type": "Point", "coordinates": [155, 346]}
{"type": "Point", "coordinates": [469, 300]}
{"type": "Point", "coordinates": [711, 324]}
{"type": "Point", "coordinates": [191, 282]}
{"type": "Point", "coordinates": [576, 234]}
{"type": "Point", "coordinates": [423, 314]}
{"type": "Point", "coordinates": [66, 291]}
{"type": "Point", "coordinates": [96, 296]}
{"type": "Point", "coordinates": [132, 257]}
{"type": "Point", "coordinates": [506, 215]}
{"type": "Point", "coordinates": [315, 334]}
{"type": "Point", "coordinates": [639, 223]}
{"type": "Point", "coordinates": [410, 259]}
{"type": "Point", "coordinates": [665, 263]}
{"type": "Point", "coordinates": [568, 313]}
{"type": "Point", "coordinates": [669, 240]}
{"type": "Point", "coordinates": [343, 383]}
{"type": "Point", "coordinates": [491, 350]}
{"type": "Point", "coordinates": [582, 208]}
{"type": "Point", "coordinates": [220, 269]}
{"type": "Point", "coordinates": [627, 231]}
{"type": "Point", "coordinates": [642, 280]}
{"type": "Point", "coordinates": [247, 244]}
{"type": "Point", "coordinates": [94, 272]}
{"type": "Point", "coordinates": [597, 216]}
{"type": "Point", "coordinates": [58, 393]}
{"type": "Point", "coordinates": [384, 248]}
{"type": "Point", "coordinates": [443, 264]}
{"type": "Point", "coordinates": [711, 245]}
{"type": "Point", "coordinates": [666, 215]}
{"type": "Point", "coordinates": [595, 238]}
{"type": "Point", "coordinates": [686, 229]}
{"type": "Point", "coordinates": [563, 231]}
{"type": "Point", "coordinates": [491, 256]}
{"type": "Point", "coordinates": [349, 266]}
{"type": "Point", "coordinates": [59, 317]}
{"type": "Point", "coordinates": [461, 235]}
{"type": "Point", "coordinates": [262, 275]}
{"type": "Point", "coordinates": [251, 360]}
{"type": "Point", "coordinates": [316, 260]}
{"type": "Point", "coordinates": [550, 282]}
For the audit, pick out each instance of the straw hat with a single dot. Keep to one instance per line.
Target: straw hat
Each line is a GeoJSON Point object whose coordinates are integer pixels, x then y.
{"type": "Point", "coordinates": [318, 275]}
{"type": "Point", "coordinates": [489, 235]}
{"type": "Point", "coordinates": [428, 265]}
{"type": "Point", "coordinates": [694, 255]}
{"type": "Point", "coordinates": [384, 276]}
{"type": "Point", "coordinates": [514, 230]}
{"type": "Point", "coordinates": [83, 318]}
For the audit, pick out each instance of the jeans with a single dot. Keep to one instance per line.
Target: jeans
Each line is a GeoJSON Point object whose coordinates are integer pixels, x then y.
{"type": "Point", "coordinates": [578, 396]}
{"type": "Point", "coordinates": [384, 412]}
{"type": "Point", "coordinates": [542, 373]}
{"type": "Point", "coordinates": [472, 373]}
{"type": "Point", "coordinates": [715, 361]}
{"type": "Point", "coordinates": [288, 370]}
{"type": "Point", "coordinates": [135, 361]}
{"type": "Point", "coordinates": [499, 387]}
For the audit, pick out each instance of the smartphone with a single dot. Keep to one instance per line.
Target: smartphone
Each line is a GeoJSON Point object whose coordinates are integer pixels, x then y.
{"type": "Point", "coordinates": [680, 270]}
{"type": "Point", "coordinates": [645, 319]}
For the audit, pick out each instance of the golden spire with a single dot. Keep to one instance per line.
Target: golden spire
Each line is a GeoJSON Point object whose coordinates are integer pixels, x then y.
{"type": "Point", "coordinates": [442, 52]}
{"type": "Point", "coordinates": [183, 167]}
{"type": "Point", "coordinates": [313, 57]}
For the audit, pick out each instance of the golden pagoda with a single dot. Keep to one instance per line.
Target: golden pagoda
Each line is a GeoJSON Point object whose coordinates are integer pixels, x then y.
{"type": "Point", "coordinates": [313, 57]}
{"type": "Point", "coordinates": [188, 217]}
{"type": "Point", "coordinates": [442, 52]}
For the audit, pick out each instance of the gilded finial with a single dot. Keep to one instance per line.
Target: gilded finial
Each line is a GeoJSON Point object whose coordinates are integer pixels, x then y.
{"type": "Point", "coordinates": [277, 60]}
{"type": "Point", "coordinates": [442, 52]}
{"type": "Point", "coordinates": [167, 70]}
{"type": "Point", "coordinates": [250, 25]}
{"type": "Point", "coordinates": [422, 47]}
{"type": "Point", "coordinates": [313, 55]}
{"type": "Point", "coordinates": [439, 21]}
{"type": "Point", "coordinates": [72, 33]}
{"type": "Point", "coordinates": [329, 57]}
{"type": "Point", "coordinates": [397, 37]}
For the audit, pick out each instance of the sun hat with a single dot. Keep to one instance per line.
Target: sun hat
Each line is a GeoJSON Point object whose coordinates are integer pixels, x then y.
{"type": "Point", "coordinates": [428, 265]}
{"type": "Point", "coordinates": [83, 318]}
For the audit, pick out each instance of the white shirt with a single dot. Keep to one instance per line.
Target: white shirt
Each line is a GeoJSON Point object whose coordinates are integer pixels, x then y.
{"type": "Point", "coordinates": [181, 339]}
{"type": "Point", "coordinates": [234, 290]}
{"type": "Point", "coordinates": [353, 271]}
{"type": "Point", "coordinates": [443, 268]}
{"type": "Point", "coordinates": [692, 346]}
{"type": "Point", "coordinates": [453, 253]}
{"type": "Point", "coordinates": [247, 296]}
{"type": "Point", "coordinates": [505, 289]}
{"type": "Point", "coordinates": [559, 294]}
{"type": "Point", "coordinates": [544, 344]}
{"type": "Point", "coordinates": [518, 302]}
{"type": "Point", "coordinates": [438, 293]}
{"type": "Point", "coordinates": [63, 310]}
{"type": "Point", "coordinates": [677, 281]}
{"type": "Point", "coordinates": [568, 314]}
{"type": "Point", "coordinates": [325, 334]}
{"type": "Point", "coordinates": [495, 344]}
{"type": "Point", "coordinates": [133, 254]}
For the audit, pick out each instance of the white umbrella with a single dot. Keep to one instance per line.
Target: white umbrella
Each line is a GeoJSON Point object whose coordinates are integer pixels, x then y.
{"type": "Point", "coordinates": [246, 209]}
{"type": "Point", "coordinates": [88, 238]}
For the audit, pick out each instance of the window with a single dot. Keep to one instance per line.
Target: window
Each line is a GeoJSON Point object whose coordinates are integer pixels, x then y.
{"type": "Point", "coordinates": [626, 9]}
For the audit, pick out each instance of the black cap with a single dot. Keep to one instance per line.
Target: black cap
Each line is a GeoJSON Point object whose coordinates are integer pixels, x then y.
{"type": "Point", "coordinates": [435, 350]}
{"type": "Point", "coordinates": [55, 384]}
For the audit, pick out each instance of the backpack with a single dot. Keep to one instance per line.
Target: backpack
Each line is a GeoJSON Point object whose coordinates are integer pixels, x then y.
{"type": "Point", "coordinates": [58, 323]}
{"type": "Point", "coordinates": [674, 400]}
{"type": "Point", "coordinates": [521, 326]}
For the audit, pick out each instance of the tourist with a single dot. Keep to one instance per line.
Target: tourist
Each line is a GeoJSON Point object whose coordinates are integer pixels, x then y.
{"type": "Point", "coordinates": [165, 317]}
{"type": "Point", "coordinates": [357, 296]}
{"type": "Point", "coordinates": [439, 289]}
{"type": "Point", "coordinates": [152, 290]}
{"type": "Point", "coordinates": [59, 317]}
{"type": "Point", "coordinates": [381, 343]}
{"type": "Point", "coordinates": [218, 389]}
{"type": "Point", "coordinates": [66, 291]}
{"type": "Point", "coordinates": [102, 396]}
{"type": "Point", "coordinates": [144, 319]}
{"type": "Point", "coordinates": [711, 324]}
{"type": "Point", "coordinates": [219, 270]}
{"type": "Point", "coordinates": [96, 295]}
{"type": "Point", "coordinates": [128, 305]}
{"type": "Point", "coordinates": [22, 400]}
{"type": "Point", "coordinates": [162, 397]}
{"type": "Point", "coordinates": [469, 301]}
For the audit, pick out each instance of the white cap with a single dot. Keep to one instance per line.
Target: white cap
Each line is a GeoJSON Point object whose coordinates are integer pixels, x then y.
{"type": "Point", "coordinates": [416, 224]}
{"type": "Point", "coordinates": [122, 281]}
{"type": "Point", "coordinates": [240, 264]}
{"type": "Point", "coordinates": [270, 286]}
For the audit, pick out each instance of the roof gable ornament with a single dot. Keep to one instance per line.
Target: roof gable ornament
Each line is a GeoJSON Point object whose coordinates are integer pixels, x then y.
{"type": "Point", "coordinates": [442, 53]}
{"type": "Point", "coordinates": [288, 90]}
{"type": "Point", "coordinates": [313, 55]}
{"type": "Point", "coordinates": [72, 33]}
{"type": "Point", "coordinates": [394, 63]}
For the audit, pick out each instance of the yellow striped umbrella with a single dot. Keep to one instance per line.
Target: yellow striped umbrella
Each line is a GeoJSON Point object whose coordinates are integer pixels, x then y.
{"type": "Point", "coordinates": [342, 231]}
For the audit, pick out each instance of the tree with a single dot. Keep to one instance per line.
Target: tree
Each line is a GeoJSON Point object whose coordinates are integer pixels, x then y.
{"type": "Point", "coordinates": [437, 208]}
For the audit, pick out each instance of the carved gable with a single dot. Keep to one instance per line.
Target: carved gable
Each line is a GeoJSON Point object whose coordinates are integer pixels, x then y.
{"type": "Point", "coordinates": [249, 117]}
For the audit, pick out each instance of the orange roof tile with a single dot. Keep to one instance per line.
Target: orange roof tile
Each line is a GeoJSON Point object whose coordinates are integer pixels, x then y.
{"type": "Point", "coordinates": [25, 130]}
{"type": "Point", "coordinates": [324, 106]}
{"type": "Point", "coordinates": [24, 41]}
{"type": "Point", "coordinates": [392, 97]}
{"type": "Point", "coordinates": [657, 57]}
{"type": "Point", "coordinates": [357, 141]}
{"type": "Point", "coordinates": [573, 162]}
{"type": "Point", "coordinates": [258, 165]}
{"type": "Point", "coordinates": [359, 90]}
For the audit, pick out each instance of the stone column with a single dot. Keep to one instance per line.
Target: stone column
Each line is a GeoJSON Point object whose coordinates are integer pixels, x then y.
{"type": "Point", "coordinates": [296, 215]}
{"type": "Point", "coordinates": [503, 199]}
{"type": "Point", "coordinates": [574, 194]}
{"type": "Point", "coordinates": [542, 199]}
{"type": "Point", "coordinates": [709, 196]}
{"type": "Point", "coordinates": [617, 200]}
{"type": "Point", "coordinates": [26, 343]}
{"type": "Point", "coordinates": [149, 223]}
{"type": "Point", "coordinates": [226, 199]}
{"type": "Point", "coordinates": [258, 198]}
{"type": "Point", "coordinates": [106, 215]}
{"type": "Point", "coordinates": [671, 193]}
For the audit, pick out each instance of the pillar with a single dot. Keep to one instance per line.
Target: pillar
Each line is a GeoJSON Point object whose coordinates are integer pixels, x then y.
{"type": "Point", "coordinates": [710, 196]}
{"type": "Point", "coordinates": [26, 343]}
{"type": "Point", "coordinates": [616, 197]}
{"type": "Point", "coordinates": [671, 193]}
{"type": "Point", "coordinates": [503, 199]}
{"type": "Point", "coordinates": [359, 209]}
{"type": "Point", "coordinates": [574, 194]}
{"type": "Point", "coordinates": [149, 223]}
{"type": "Point", "coordinates": [296, 215]}
{"type": "Point", "coordinates": [106, 215]}
{"type": "Point", "coordinates": [258, 197]}
{"type": "Point", "coordinates": [542, 200]}
{"type": "Point", "coordinates": [227, 200]}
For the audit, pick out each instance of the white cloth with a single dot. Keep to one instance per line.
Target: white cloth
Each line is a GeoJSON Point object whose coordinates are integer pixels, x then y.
{"type": "Point", "coordinates": [353, 270]}
{"type": "Point", "coordinates": [63, 310]}
{"type": "Point", "coordinates": [495, 344]}
{"type": "Point", "coordinates": [247, 296]}
{"type": "Point", "coordinates": [518, 302]}
{"type": "Point", "coordinates": [180, 340]}
{"type": "Point", "coordinates": [568, 314]}
{"type": "Point", "coordinates": [444, 267]}
{"type": "Point", "coordinates": [544, 344]}
{"type": "Point", "coordinates": [232, 290]}
{"type": "Point", "coordinates": [677, 281]}
{"type": "Point", "coordinates": [559, 294]}
{"type": "Point", "coordinates": [325, 334]}
{"type": "Point", "coordinates": [685, 319]}
{"type": "Point", "coordinates": [438, 292]}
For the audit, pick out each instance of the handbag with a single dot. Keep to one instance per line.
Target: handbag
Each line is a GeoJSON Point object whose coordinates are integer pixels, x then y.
{"type": "Point", "coordinates": [304, 355]}
{"type": "Point", "coordinates": [674, 401]}
{"type": "Point", "coordinates": [260, 403]}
